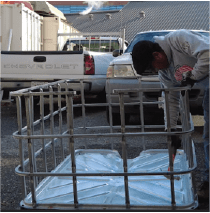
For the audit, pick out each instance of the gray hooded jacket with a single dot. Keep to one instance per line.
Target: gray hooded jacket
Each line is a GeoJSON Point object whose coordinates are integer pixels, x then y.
{"type": "Point", "coordinates": [183, 49]}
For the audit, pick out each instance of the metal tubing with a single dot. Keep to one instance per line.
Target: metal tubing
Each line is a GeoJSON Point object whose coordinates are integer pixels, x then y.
{"type": "Point", "coordinates": [52, 126]}
{"type": "Point", "coordinates": [173, 202]}
{"type": "Point", "coordinates": [21, 149]}
{"type": "Point", "coordinates": [31, 99]}
{"type": "Point", "coordinates": [108, 207]}
{"type": "Point", "coordinates": [182, 112]}
{"type": "Point", "coordinates": [193, 178]}
{"type": "Point", "coordinates": [31, 167]}
{"type": "Point", "coordinates": [83, 108]}
{"type": "Point", "coordinates": [90, 33]}
{"type": "Point", "coordinates": [149, 89]}
{"type": "Point", "coordinates": [117, 104]}
{"type": "Point", "coordinates": [188, 137]}
{"type": "Point", "coordinates": [141, 113]}
{"type": "Point", "coordinates": [23, 92]}
{"type": "Point", "coordinates": [184, 126]}
{"type": "Point", "coordinates": [60, 121]}
{"type": "Point", "coordinates": [44, 93]}
{"type": "Point", "coordinates": [15, 134]}
{"type": "Point", "coordinates": [110, 111]}
{"type": "Point", "coordinates": [65, 135]}
{"type": "Point", "coordinates": [42, 131]}
{"type": "Point", "coordinates": [124, 153]}
{"type": "Point", "coordinates": [71, 146]}
{"type": "Point", "coordinates": [17, 170]}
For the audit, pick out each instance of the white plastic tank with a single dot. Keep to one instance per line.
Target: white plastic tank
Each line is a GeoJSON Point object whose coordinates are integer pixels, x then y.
{"type": "Point", "coordinates": [21, 28]}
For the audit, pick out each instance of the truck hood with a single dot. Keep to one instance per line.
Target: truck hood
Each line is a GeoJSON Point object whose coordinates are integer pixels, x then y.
{"type": "Point", "coordinates": [126, 59]}
{"type": "Point", "coordinates": [123, 59]}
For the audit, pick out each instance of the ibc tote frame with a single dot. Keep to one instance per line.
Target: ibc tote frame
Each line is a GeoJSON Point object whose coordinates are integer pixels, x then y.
{"type": "Point", "coordinates": [46, 150]}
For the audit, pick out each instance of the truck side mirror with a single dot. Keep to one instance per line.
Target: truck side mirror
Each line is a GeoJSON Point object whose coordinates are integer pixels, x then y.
{"type": "Point", "coordinates": [117, 53]}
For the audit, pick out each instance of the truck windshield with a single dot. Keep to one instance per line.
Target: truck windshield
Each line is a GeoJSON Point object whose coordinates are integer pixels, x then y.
{"type": "Point", "coordinates": [92, 45]}
{"type": "Point", "coordinates": [149, 36]}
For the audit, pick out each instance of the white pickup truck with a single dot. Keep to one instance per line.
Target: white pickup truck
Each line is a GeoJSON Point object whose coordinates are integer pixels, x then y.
{"type": "Point", "coordinates": [23, 69]}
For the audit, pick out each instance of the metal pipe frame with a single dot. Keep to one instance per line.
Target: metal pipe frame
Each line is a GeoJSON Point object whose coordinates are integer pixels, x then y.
{"type": "Point", "coordinates": [33, 174]}
{"type": "Point", "coordinates": [105, 207]}
{"type": "Point", "coordinates": [173, 202]}
{"type": "Point", "coordinates": [21, 152]}
{"type": "Point", "coordinates": [60, 121]}
{"type": "Point", "coordinates": [42, 132]}
{"type": "Point", "coordinates": [71, 145]}
{"type": "Point", "coordinates": [30, 154]}
{"type": "Point", "coordinates": [133, 134]}
{"type": "Point", "coordinates": [52, 125]}
{"type": "Point", "coordinates": [124, 153]}
{"type": "Point", "coordinates": [141, 108]}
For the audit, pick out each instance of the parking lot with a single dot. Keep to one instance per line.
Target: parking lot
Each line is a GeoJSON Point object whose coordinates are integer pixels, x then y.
{"type": "Point", "coordinates": [10, 184]}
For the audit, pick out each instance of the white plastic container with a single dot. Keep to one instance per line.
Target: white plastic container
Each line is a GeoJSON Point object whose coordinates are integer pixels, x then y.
{"type": "Point", "coordinates": [53, 26]}
{"type": "Point", "coordinates": [21, 28]}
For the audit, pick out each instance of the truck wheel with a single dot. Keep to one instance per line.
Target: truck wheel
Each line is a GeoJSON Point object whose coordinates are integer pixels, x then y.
{"type": "Point", "coordinates": [116, 118]}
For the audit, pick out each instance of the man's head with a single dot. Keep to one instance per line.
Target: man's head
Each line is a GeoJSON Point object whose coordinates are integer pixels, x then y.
{"type": "Point", "coordinates": [148, 55]}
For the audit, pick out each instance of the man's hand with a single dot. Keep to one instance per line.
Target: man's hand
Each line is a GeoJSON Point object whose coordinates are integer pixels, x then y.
{"type": "Point", "coordinates": [175, 142]}
{"type": "Point", "coordinates": [187, 79]}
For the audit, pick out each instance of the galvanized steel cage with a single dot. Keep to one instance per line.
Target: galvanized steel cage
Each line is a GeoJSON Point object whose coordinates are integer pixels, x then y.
{"type": "Point", "coordinates": [68, 167]}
